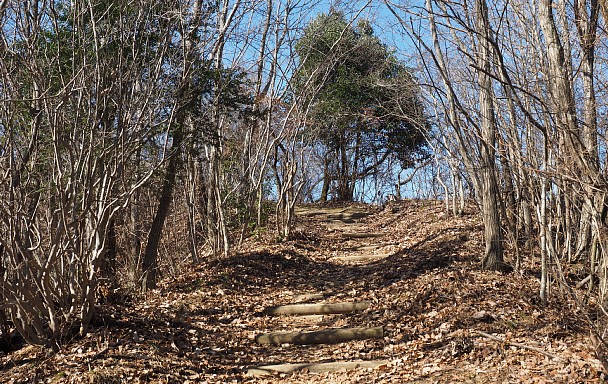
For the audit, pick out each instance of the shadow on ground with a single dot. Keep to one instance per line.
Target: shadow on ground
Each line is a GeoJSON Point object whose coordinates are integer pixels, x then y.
{"type": "Point", "coordinates": [289, 270]}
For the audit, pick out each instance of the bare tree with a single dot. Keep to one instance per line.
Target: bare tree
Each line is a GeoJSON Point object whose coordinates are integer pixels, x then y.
{"type": "Point", "coordinates": [476, 145]}
{"type": "Point", "coordinates": [94, 96]}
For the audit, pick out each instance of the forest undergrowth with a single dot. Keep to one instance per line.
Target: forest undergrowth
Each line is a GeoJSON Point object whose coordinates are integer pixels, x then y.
{"type": "Point", "coordinates": [444, 319]}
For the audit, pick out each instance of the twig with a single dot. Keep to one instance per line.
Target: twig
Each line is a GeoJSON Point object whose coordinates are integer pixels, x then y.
{"type": "Point", "coordinates": [100, 353]}
{"type": "Point", "coordinates": [584, 281]}
{"type": "Point", "coordinates": [519, 345]}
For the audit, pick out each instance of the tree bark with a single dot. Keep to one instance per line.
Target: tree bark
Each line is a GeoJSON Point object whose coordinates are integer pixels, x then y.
{"type": "Point", "coordinates": [326, 181]}
{"type": "Point", "coordinates": [150, 262]}
{"type": "Point", "coordinates": [493, 258]}
{"type": "Point", "coordinates": [108, 263]}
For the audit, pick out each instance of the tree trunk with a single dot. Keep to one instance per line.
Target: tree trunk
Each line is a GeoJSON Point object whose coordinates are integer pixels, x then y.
{"type": "Point", "coordinates": [344, 191]}
{"type": "Point", "coordinates": [544, 236]}
{"type": "Point", "coordinates": [326, 181]}
{"type": "Point", "coordinates": [191, 191]}
{"type": "Point", "coordinates": [586, 23]}
{"type": "Point", "coordinates": [216, 221]}
{"type": "Point", "coordinates": [150, 262]}
{"type": "Point", "coordinates": [108, 263]}
{"type": "Point", "coordinates": [492, 259]}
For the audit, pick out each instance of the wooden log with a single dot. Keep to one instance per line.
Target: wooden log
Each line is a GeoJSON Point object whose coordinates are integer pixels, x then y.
{"type": "Point", "coordinates": [328, 336]}
{"type": "Point", "coordinates": [304, 211]}
{"type": "Point", "coordinates": [359, 258]}
{"type": "Point", "coordinates": [339, 225]}
{"type": "Point", "coordinates": [519, 345]}
{"type": "Point", "coordinates": [368, 247]}
{"type": "Point", "coordinates": [317, 309]}
{"type": "Point", "coordinates": [315, 368]}
{"type": "Point", "coordinates": [361, 235]}
{"type": "Point", "coordinates": [348, 216]}
{"type": "Point", "coordinates": [306, 319]}
{"type": "Point", "coordinates": [345, 221]}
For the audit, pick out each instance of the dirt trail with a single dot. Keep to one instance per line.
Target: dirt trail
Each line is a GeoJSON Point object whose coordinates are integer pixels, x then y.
{"type": "Point", "coordinates": [442, 319]}
{"type": "Point", "coordinates": [345, 222]}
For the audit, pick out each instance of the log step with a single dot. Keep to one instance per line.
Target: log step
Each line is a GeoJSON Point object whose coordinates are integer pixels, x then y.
{"type": "Point", "coordinates": [317, 309]}
{"type": "Point", "coordinates": [304, 320]}
{"type": "Point", "coordinates": [361, 235]}
{"type": "Point", "coordinates": [328, 336]}
{"type": "Point", "coordinates": [368, 247]}
{"type": "Point", "coordinates": [359, 258]}
{"type": "Point", "coordinates": [339, 226]}
{"type": "Point", "coordinates": [315, 368]}
{"type": "Point", "coordinates": [347, 216]}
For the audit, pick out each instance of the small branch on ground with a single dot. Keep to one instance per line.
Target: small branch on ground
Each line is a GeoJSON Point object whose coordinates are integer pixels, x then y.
{"type": "Point", "coordinates": [519, 345]}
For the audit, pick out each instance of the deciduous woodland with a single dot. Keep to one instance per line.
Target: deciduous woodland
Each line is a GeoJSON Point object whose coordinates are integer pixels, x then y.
{"type": "Point", "coordinates": [184, 181]}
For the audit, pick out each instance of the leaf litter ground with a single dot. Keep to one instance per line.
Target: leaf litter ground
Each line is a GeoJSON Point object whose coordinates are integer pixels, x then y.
{"type": "Point", "coordinates": [444, 320]}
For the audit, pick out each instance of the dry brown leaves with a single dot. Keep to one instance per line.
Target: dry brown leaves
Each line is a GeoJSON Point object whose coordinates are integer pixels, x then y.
{"type": "Point", "coordinates": [428, 293]}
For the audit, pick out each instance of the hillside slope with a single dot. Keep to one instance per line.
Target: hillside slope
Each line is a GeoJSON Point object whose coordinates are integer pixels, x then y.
{"type": "Point", "coordinates": [416, 270]}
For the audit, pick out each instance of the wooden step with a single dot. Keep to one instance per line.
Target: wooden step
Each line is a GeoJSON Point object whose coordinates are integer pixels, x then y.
{"type": "Point", "coordinates": [368, 247]}
{"type": "Point", "coordinates": [359, 258]}
{"type": "Point", "coordinates": [361, 235]}
{"type": "Point", "coordinates": [328, 336]}
{"type": "Point", "coordinates": [351, 216]}
{"type": "Point", "coordinates": [304, 320]}
{"type": "Point", "coordinates": [315, 367]}
{"type": "Point", "coordinates": [342, 226]}
{"type": "Point", "coordinates": [317, 309]}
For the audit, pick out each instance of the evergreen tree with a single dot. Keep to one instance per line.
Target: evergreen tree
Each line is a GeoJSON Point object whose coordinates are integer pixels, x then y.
{"type": "Point", "coordinates": [364, 103]}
